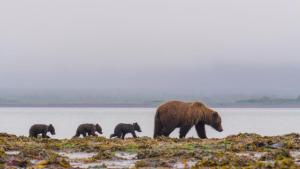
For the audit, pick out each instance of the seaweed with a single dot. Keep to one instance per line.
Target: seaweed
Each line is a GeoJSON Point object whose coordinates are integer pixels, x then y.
{"type": "Point", "coordinates": [245, 150]}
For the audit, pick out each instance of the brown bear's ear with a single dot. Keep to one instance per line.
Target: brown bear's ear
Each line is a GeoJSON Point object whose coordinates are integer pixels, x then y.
{"type": "Point", "coordinates": [198, 104]}
{"type": "Point", "coordinates": [215, 115]}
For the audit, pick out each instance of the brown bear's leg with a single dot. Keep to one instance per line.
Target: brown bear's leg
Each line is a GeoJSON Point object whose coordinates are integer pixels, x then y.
{"type": "Point", "coordinates": [158, 132]}
{"type": "Point", "coordinates": [166, 131]}
{"type": "Point", "coordinates": [200, 128]}
{"type": "Point", "coordinates": [157, 127]}
{"type": "Point", "coordinates": [184, 130]}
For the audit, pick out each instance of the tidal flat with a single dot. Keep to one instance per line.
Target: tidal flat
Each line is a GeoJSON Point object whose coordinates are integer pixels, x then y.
{"type": "Point", "coordinates": [236, 151]}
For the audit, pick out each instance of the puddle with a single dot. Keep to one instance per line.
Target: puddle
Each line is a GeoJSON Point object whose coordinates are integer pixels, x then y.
{"type": "Point", "coordinates": [12, 152]}
{"type": "Point", "coordinates": [296, 156]}
{"type": "Point", "coordinates": [87, 165]}
{"type": "Point", "coordinates": [34, 161]}
{"type": "Point", "coordinates": [253, 155]}
{"type": "Point", "coordinates": [127, 160]}
{"type": "Point", "coordinates": [189, 164]}
{"type": "Point", "coordinates": [106, 164]}
{"type": "Point", "coordinates": [77, 155]}
{"type": "Point", "coordinates": [126, 156]}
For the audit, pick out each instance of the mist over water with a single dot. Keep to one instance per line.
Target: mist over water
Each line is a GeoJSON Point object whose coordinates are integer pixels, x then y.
{"type": "Point", "coordinates": [182, 48]}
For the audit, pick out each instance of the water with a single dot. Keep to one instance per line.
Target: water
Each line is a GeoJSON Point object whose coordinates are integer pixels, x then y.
{"type": "Point", "coordinates": [264, 121]}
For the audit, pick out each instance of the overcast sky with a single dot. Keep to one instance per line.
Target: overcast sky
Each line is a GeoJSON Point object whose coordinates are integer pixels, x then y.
{"type": "Point", "coordinates": [211, 47]}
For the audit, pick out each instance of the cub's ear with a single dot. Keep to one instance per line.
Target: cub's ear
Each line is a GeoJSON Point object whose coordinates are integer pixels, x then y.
{"type": "Point", "coordinates": [135, 123]}
{"type": "Point", "coordinates": [198, 104]}
{"type": "Point", "coordinates": [50, 125]}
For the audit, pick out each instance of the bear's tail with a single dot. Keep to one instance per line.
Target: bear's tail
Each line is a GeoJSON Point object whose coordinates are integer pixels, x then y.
{"type": "Point", "coordinates": [157, 125]}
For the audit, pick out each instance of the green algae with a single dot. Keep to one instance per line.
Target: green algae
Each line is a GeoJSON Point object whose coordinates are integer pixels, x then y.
{"type": "Point", "coordinates": [230, 152]}
{"type": "Point", "coordinates": [141, 164]}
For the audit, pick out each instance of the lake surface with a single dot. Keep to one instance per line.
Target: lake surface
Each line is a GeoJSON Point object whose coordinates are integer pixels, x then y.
{"type": "Point", "coordinates": [264, 121]}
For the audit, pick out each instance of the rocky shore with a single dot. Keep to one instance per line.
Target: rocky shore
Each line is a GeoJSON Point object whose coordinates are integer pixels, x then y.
{"type": "Point", "coordinates": [236, 151]}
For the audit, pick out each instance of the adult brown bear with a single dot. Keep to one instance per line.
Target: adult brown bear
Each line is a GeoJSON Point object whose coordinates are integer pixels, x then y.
{"type": "Point", "coordinates": [185, 115]}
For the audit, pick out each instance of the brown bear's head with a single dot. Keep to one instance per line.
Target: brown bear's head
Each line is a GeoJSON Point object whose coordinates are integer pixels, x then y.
{"type": "Point", "coordinates": [99, 129]}
{"type": "Point", "coordinates": [51, 129]}
{"type": "Point", "coordinates": [216, 121]}
{"type": "Point", "coordinates": [209, 116]}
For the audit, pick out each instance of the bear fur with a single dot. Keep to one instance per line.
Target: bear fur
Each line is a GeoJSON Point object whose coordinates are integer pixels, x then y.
{"type": "Point", "coordinates": [37, 129]}
{"type": "Point", "coordinates": [185, 115]}
{"type": "Point", "coordinates": [122, 129]}
{"type": "Point", "coordinates": [88, 129]}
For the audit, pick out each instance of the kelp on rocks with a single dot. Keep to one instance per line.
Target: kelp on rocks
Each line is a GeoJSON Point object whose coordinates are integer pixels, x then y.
{"type": "Point", "coordinates": [237, 151]}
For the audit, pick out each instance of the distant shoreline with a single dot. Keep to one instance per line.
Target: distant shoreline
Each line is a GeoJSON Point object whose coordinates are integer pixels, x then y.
{"type": "Point", "coordinates": [147, 102]}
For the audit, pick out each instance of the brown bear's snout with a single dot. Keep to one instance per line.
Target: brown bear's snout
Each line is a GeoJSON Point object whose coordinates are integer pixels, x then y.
{"type": "Point", "coordinates": [220, 129]}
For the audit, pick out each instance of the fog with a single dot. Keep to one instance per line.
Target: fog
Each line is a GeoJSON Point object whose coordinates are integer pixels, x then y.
{"type": "Point", "coordinates": [171, 46]}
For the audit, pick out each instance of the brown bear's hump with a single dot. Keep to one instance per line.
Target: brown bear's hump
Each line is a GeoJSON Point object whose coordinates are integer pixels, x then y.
{"type": "Point", "coordinates": [173, 108]}
{"type": "Point", "coordinates": [171, 103]}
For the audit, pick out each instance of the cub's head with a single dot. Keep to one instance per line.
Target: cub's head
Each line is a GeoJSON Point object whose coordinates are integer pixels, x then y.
{"type": "Point", "coordinates": [51, 129]}
{"type": "Point", "coordinates": [137, 127]}
{"type": "Point", "coordinates": [99, 129]}
{"type": "Point", "coordinates": [216, 121]}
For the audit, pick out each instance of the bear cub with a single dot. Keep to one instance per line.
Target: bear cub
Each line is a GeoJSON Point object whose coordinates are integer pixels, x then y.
{"type": "Point", "coordinates": [122, 129]}
{"type": "Point", "coordinates": [37, 129]}
{"type": "Point", "coordinates": [88, 129]}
